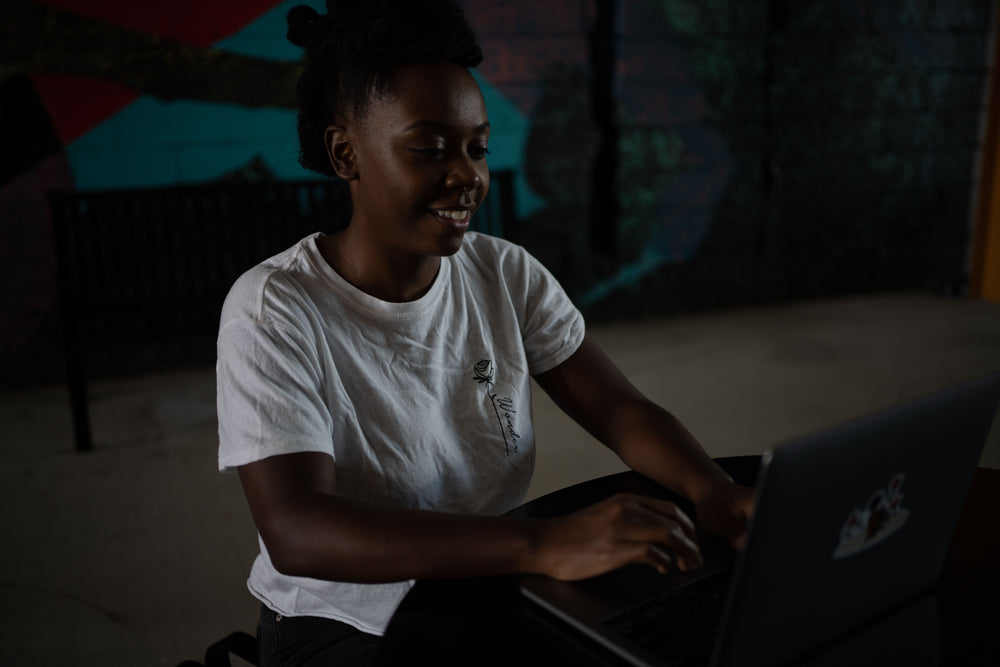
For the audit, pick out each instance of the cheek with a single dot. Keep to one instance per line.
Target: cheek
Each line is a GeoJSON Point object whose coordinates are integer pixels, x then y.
{"type": "Point", "coordinates": [393, 180]}
{"type": "Point", "coordinates": [484, 180]}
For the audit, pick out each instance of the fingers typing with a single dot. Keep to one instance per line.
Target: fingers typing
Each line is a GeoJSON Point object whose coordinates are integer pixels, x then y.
{"type": "Point", "coordinates": [621, 530]}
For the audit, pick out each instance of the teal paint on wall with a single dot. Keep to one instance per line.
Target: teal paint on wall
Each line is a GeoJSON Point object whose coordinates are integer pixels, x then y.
{"type": "Point", "coordinates": [508, 135]}
{"type": "Point", "coordinates": [154, 143]}
{"type": "Point", "coordinates": [265, 37]}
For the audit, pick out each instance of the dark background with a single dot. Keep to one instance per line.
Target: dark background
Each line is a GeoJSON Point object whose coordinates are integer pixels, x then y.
{"type": "Point", "coordinates": [672, 155]}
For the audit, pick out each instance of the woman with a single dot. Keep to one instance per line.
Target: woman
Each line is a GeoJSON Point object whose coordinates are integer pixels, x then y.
{"type": "Point", "coordinates": [374, 383]}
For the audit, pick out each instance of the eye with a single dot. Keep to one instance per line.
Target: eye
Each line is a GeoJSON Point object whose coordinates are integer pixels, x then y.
{"type": "Point", "coordinates": [479, 152]}
{"type": "Point", "coordinates": [433, 152]}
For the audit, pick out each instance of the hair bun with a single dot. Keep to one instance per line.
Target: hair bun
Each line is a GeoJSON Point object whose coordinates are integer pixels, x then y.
{"type": "Point", "coordinates": [302, 24]}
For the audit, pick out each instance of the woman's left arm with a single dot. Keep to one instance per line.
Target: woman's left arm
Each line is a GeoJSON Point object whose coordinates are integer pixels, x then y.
{"type": "Point", "coordinates": [591, 389]}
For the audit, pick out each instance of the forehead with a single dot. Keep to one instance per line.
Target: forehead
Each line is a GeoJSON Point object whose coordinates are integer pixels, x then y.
{"type": "Point", "coordinates": [431, 94]}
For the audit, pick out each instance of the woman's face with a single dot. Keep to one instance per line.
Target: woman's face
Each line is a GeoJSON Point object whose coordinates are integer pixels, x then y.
{"type": "Point", "coordinates": [420, 160]}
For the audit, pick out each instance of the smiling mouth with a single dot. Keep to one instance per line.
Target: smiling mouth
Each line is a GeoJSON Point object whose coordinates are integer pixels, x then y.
{"type": "Point", "coordinates": [454, 215]}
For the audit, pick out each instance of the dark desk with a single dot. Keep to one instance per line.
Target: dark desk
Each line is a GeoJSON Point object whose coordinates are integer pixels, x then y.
{"type": "Point", "coordinates": [486, 622]}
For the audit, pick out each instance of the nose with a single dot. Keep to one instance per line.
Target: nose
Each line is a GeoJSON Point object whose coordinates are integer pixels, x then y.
{"type": "Point", "coordinates": [465, 174]}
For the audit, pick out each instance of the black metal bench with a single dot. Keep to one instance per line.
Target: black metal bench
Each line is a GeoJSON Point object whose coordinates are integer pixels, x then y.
{"type": "Point", "coordinates": [143, 273]}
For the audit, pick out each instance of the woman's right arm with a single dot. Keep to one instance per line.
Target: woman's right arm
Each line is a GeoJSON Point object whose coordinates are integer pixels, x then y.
{"type": "Point", "coordinates": [310, 531]}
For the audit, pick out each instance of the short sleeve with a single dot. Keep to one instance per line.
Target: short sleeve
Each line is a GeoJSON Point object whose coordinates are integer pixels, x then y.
{"type": "Point", "coordinates": [269, 394]}
{"type": "Point", "coordinates": [553, 327]}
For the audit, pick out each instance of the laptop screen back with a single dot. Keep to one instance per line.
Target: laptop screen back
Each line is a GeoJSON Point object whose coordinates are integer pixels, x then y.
{"type": "Point", "coordinates": [852, 522]}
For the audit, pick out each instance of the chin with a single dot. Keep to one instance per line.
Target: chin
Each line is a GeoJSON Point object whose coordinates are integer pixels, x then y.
{"type": "Point", "coordinates": [452, 245]}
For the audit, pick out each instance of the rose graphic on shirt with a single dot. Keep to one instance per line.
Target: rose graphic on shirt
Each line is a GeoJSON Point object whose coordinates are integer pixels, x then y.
{"type": "Point", "coordinates": [503, 406]}
{"type": "Point", "coordinates": [484, 371]}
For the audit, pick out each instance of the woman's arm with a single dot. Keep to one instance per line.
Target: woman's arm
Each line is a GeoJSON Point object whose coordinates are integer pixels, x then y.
{"type": "Point", "coordinates": [594, 392]}
{"type": "Point", "coordinates": [310, 531]}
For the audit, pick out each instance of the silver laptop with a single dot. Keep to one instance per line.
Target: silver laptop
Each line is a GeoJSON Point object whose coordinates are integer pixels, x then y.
{"type": "Point", "coordinates": [850, 524]}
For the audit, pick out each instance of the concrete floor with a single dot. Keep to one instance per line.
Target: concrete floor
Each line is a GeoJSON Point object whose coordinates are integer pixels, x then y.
{"type": "Point", "coordinates": [137, 553]}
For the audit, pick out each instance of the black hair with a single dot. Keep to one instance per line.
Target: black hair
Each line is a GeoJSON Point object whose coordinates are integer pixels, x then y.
{"type": "Point", "coordinates": [352, 51]}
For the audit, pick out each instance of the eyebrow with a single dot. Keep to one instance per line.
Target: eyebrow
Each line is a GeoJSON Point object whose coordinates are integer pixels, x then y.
{"type": "Point", "coordinates": [439, 125]}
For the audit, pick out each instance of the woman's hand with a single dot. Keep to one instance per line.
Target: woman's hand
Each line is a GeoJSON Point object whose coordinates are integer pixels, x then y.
{"type": "Point", "coordinates": [724, 510]}
{"type": "Point", "coordinates": [594, 392]}
{"type": "Point", "coordinates": [623, 529]}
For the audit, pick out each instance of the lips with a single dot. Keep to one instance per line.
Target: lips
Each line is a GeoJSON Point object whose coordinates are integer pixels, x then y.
{"type": "Point", "coordinates": [454, 214]}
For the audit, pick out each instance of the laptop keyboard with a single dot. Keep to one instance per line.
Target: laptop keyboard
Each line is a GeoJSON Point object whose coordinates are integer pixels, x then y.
{"type": "Point", "coordinates": [680, 626]}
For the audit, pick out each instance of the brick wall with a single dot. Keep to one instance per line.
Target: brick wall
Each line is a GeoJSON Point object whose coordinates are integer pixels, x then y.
{"type": "Point", "coordinates": [762, 150]}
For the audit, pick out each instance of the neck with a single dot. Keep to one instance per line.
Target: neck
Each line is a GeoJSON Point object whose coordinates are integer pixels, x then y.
{"type": "Point", "coordinates": [394, 277]}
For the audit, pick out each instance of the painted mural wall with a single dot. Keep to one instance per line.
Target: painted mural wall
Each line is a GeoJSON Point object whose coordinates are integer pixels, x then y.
{"type": "Point", "coordinates": [670, 154]}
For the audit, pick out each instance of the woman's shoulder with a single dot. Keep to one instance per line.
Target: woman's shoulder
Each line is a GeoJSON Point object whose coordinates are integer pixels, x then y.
{"type": "Point", "coordinates": [275, 280]}
{"type": "Point", "coordinates": [485, 250]}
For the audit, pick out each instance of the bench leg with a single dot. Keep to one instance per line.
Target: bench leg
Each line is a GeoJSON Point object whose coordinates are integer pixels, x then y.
{"type": "Point", "coordinates": [79, 405]}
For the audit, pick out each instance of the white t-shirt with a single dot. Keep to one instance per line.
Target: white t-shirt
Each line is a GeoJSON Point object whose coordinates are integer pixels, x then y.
{"type": "Point", "coordinates": [424, 404]}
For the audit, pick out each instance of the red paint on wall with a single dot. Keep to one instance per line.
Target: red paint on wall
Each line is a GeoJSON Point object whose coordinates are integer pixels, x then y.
{"type": "Point", "coordinates": [190, 21]}
{"type": "Point", "coordinates": [76, 104]}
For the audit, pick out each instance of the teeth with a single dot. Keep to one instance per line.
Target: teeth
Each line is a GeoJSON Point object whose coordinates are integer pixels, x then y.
{"type": "Point", "coordinates": [454, 215]}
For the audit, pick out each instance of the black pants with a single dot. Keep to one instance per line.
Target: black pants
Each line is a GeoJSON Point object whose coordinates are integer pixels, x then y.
{"type": "Point", "coordinates": [309, 641]}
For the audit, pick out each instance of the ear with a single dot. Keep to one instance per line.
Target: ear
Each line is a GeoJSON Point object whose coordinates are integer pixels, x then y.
{"type": "Point", "coordinates": [340, 152]}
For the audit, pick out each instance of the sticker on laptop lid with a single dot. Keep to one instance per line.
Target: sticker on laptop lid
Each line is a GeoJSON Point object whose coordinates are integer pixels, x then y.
{"type": "Point", "coordinates": [882, 516]}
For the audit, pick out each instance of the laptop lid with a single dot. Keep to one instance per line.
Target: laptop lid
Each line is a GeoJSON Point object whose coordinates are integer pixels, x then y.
{"type": "Point", "coordinates": [850, 522]}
